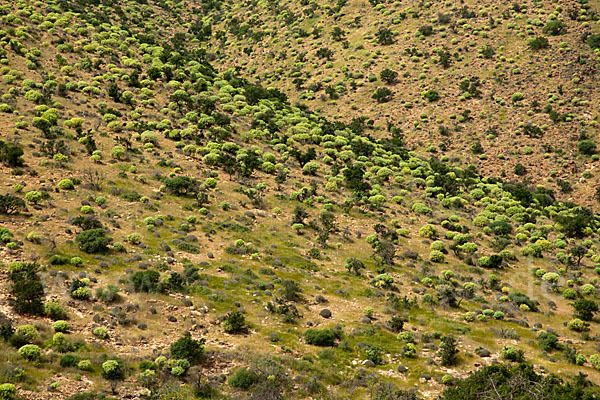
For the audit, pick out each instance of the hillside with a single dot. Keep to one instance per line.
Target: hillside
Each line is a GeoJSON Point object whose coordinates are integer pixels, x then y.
{"type": "Point", "coordinates": [516, 78]}
{"type": "Point", "coordinates": [298, 200]}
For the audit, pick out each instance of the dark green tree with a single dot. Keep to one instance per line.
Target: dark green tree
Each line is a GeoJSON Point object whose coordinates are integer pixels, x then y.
{"type": "Point", "coordinates": [27, 291]}
{"type": "Point", "coordinates": [388, 76]}
{"type": "Point", "coordinates": [188, 348]}
{"type": "Point", "coordinates": [93, 241]}
{"type": "Point", "coordinates": [385, 36]}
{"type": "Point", "coordinates": [354, 266]}
{"type": "Point", "coordinates": [577, 253]}
{"type": "Point", "coordinates": [584, 309]}
{"type": "Point", "coordinates": [448, 351]}
{"type": "Point", "coordinates": [234, 322]}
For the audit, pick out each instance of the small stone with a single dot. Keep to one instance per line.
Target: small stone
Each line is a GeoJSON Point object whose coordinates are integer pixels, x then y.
{"type": "Point", "coordinates": [320, 299]}
{"type": "Point", "coordinates": [483, 352]}
{"type": "Point", "coordinates": [368, 363]}
{"type": "Point", "coordinates": [325, 313]}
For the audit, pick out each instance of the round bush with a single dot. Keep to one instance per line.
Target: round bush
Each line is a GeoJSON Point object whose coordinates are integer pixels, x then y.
{"type": "Point", "coordinates": [82, 293]}
{"type": "Point", "coordinates": [420, 208]}
{"type": "Point", "coordinates": [406, 337]}
{"type": "Point", "coordinates": [588, 289]}
{"type": "Point", "coordinates": [28, 332]}
{"type": "Point", "coordinates": [510, 353]}
{"type": "Point", "coordinates": [60, 342]}
{"type": "Point", "coordinates": [66, 184]}
{"type": "Point", "coordinates": [7, 391]}
{"type": "Point", "coordinates": [470, 316]}
{"type": "Point", "coordinates": [61, 326]}
{"type": "Point", "coordinates": [100, 332]}
{"type": "Point", "coordinates": [437, 245]}
{"type": "Point", "coordinates": [68, 360]}
{"type": "Point", "coordinates": [243, 378]}
{"type": "Point", "coordinates": [84, 365]}
{"type": "Point", "coordinates": [77, 261]}
{"type": "Point", "coordinates": [30, 352]}
{"type": "Point", "coordinates": [54, 310]}
{"type": "Point", "coordinates": [320, 337]}
{"type": "Point", "coordinates": [577, 325]}
{"type": "Point", "coordinates": [428, 231]}
{"type": "Point", "coordinates": [437, 256]}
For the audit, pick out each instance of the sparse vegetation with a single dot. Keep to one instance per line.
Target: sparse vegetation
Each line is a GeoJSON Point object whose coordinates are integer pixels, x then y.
{"type": "Point", "coordinates": [289, 200]}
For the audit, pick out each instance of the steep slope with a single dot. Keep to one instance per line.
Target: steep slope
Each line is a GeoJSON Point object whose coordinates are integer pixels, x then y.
{"type": "Point", "coordinates": [160, 190]}
{"type": "Point", "coordinates": [516, 78]}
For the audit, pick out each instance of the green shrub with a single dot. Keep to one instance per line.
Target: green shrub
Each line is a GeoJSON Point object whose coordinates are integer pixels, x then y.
{"type": "Point", "coordinates": [54, 310]}
{"type": "Point", "coordinates": [587, 147]}
{"type": "Point", "coordinates": [34, 196]}
{"type": "Point", "coordinates": [61, 326]}
{"type": "Point", "coordinates": [114, 371]}
{"type": "Point", "coordinates": [8, 391]}
{"type": "Point", "coordinates": [68, 360]}
{"type": "Point", "coordinates": [26, 288]}
{"type": "Point", "coordinates": [118, 152]}
{"type": "Point", "coordinates": [428, 231]}
{"type": "Point", "coordinates": [437, 256]}
{"type": "Point", "coordinates": [188, 348]}
{"type": "Point", "coordinates": [82, 293]}
{"type": "Point", "coordinates": [30, 352]}
{"type": "Point", "coordinates": [375, 354]}
{"type": "Point", "coordinates": [93, 241]}
{"type": "Point", "coordinates": [493, 261]}
{"type": "Point", "coordinates": [145, 281]}
{"type": "Point", "coordinates": [548, 341]}
{"type": "Point", "coordinates": [243, 378]}
{"type": "Point", "coordinates": [510, 353]}
{"type": "Point", "coordinates": [85, 365]}
{"type": "Point", "coordinates": [66, 184]}
{"type": "Point", "coordinates": [178, 367]}
{"type": "Point", "coordinates": [577, 325]}
{"type": "Point", "coordinates": [234, 322]}
{"type": "Point", "coordinates": [10, 154]}
{"type": "Point", "coordinates": [100, 332]}
{"type": "Point", "coordinates": [133, 238]}
{"type": "Point", "coordinates": [60, 343]}
{"type": "Point", "coordinates": [320, 337]}
{"type": "Point", "coordinates": [28, 333]}
{"type": "Point", "coordinates": [420, 208]}
{"type": "Point", "coordinates": [77, 261]}
{"type": "Point", "coordinates": [588, 289]}
{"type": "Point", "coordinates": [409, 350]}
{"type": "Point", "coordinates": [310, 168]}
